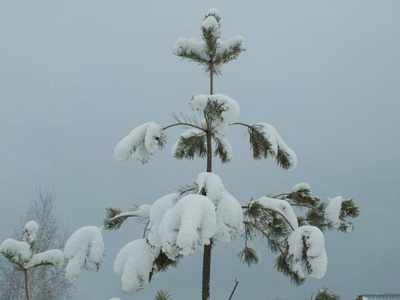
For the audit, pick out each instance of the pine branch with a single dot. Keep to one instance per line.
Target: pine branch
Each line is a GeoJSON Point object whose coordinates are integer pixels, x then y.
{"type": "Point", "coordinates": [184, 124]}
{"type": "Point", "coordinates": [282, 266]}
{"type": "Point", "coordinates": [162, 263]}
{"type": "Point", "coordinates": [249, 256]}
{"type": "Point", "coordinates": [162, 295]}
{"type": "Point", "coordinates": [187, 189]}
{"type": "Point", "coordinates": [185, 119]}
{"type": "Point", "coordinates": [220, 151]}
{"type": "Point", "coordinates": [191, 146]}
{"type": "Point", "coordinates": [111, 222]}
{"type": "Point", "coordinates": [325, 294]}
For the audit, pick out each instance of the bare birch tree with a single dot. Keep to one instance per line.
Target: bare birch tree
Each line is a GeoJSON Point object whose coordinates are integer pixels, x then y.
{"type": "Point", "coordinates": [44, 282]}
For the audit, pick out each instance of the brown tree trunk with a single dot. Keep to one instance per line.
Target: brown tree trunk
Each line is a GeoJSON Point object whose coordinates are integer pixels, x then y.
{"type": "Point", "coordinates": [206, 272]}
{"type": "Point", "coordinates": [207, 248]}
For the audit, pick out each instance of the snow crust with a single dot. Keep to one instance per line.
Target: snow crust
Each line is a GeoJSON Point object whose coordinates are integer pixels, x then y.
{"type": "Point", "coordinates": [18, 251]}
{"type": "Point", "coordinates": [133, 264]}
{"type": "Point", "coordinates": [277, 143]}
{"type": "Point", "coordinates": [54, 257]}
{"type": "Point", "coordinates": [314, 241]}
{"type": "Point", "coordinates": [31, 229]}
{"type": "Point", "coordinates": [282, 207]}
{"type": "Point", "coordinates": [84, 249]}
{"type": "Point", "coordinates": [332, 212]}
{"type": "Point", "coordinates": [141, 143]}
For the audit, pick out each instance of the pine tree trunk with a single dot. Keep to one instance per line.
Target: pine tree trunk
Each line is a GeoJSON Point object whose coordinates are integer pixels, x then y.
{"type": "Point", "coordinates": [206, 272]}
{"type": "Point", "coordinates": [207, 248]}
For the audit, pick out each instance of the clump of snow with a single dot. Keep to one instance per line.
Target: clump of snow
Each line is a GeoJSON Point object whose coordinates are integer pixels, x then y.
{"type": "Point", "coordinates": [183, 45]}
{"type": "Point", "coordinates": [210, 23]}
{"type": "Point", "coordinates": [84, 249]}
{"type": "Point", "coordinates": [221, 111]}
{"type": "Point", "coordinates": [186, 226]}
{"type": "Point", "coordinates": [53, 257]}
{"type": "Point", "coordinates": [229, 214]}
{"type": "Point", "coordinates": [277, 143]}
{"type": "Point", "coordinates": [332, 213]}
{"type": "Point", "coordinates": [301, 186]}
{"type": "Point", "coordinates": [211, 185]}
{"type": "Point", "coordinates": [133, 264]}
{"type": "Point", "coordinates": [142, 142]}
{"type": "Point", "coordinates": [157, 212]}
{"type": "Point", "coordinates": [214, 12]}
{"type": "Point", "coordinates": [178, 226]}
{"type": "Point", "coordinates": [142, 213]}
{"type": "Point", "coordinates": [18, 251]}
{"type": "Point", "coordinates": [313, 239]}
{"type": "Point", "coordinates": [188, 133]}
{"type": "Point", "coordinates": [229, 107]}
{"type": "Point", "coordinates": [30, 231]}
{"type": "Point", "coordinates": [229, 45]}
{"type": "Point", "coordinates": [282, 207]}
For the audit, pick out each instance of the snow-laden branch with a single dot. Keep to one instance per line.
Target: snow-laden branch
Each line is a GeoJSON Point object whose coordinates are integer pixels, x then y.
{"type": "Point", "coordinates": [307, 244]}
{"type": "Point", "coordinates": [133, 264]}
{"type": "Point", "coordinates": [30, 231]}
{"type": "Point", "coordinates": [211, 50]}
{"type": "Point", "coordinates": [183, 124]}
{"type": "Point", "coordinates": [141, 143]}
{"type": "Point", "coordinates": [84, 250]}
{"type": "Point", "coordinates": [282, 208]}
{"type": "Point", "coordinates": [50, 257]}
{"type": "Point", "coordinates": [266, 142]}
{"type": "Point", "coordinates": [219, 112]}
{"type": "Point", "coordinates": [18, 252]}
{"type": "Point", "coordinates": [191, 223]}
{"type": "Point", "coordinates": [229, 215]}
{"type": "Point", "coordinates": [333, 213]}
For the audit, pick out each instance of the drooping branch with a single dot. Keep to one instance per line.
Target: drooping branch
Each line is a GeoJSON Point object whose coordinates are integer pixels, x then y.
{"type": "Point", "coordinates": [184, 124]}
{"type": "Point", "coordinates": [274, 211]}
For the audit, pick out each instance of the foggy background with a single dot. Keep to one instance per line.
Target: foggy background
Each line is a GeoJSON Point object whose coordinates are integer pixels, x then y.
{"type": "Point", "coordinates": [77, 76]}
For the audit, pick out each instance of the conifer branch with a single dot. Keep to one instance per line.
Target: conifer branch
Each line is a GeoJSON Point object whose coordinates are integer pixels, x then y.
{"type": "Point", "coordinates": [184, 124]}
{"type": "Point", "coordinates": [115, 218]}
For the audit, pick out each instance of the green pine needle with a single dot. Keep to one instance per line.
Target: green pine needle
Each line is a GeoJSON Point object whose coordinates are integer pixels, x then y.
{"type": "Point", "coordinates": [162, 295]}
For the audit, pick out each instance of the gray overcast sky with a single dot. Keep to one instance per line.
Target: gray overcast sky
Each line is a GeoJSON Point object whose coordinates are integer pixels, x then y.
{"type": "Point", "coordinates": [77, 76]}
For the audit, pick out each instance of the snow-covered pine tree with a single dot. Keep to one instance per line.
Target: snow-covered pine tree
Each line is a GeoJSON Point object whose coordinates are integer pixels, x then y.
{"type": "Point", "coordinates": [23, 255]}
{"type": "Point", "coordinates": [206, 213]}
